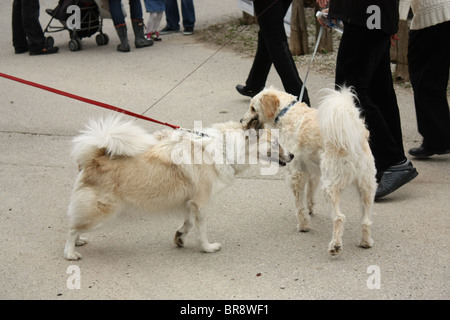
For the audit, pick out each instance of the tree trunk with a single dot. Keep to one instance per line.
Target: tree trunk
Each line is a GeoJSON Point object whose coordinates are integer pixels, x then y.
{"type": "Point", "coordinates": [399, 53]}
{"type": "Point", "coordinates": [298, 41]}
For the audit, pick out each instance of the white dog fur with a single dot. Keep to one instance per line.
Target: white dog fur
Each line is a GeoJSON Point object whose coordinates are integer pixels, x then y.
{"type": "Point", "coordinates": [330, 145]}
{"type": "Point", "coordinates": [122, 167]}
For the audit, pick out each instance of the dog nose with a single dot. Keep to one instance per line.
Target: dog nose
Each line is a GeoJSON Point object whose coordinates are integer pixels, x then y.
{"type": "Point", "coordinates": [242, 120]}
{"type": "Point", "coordinates": [291, 156]}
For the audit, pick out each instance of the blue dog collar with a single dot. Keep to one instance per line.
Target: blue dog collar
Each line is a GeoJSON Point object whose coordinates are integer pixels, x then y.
{"type": "Point", "coordinates": [284, 110]}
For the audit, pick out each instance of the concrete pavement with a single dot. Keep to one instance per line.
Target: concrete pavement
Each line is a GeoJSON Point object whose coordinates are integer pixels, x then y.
{"type": "Point", "coordinates": [262, 256]}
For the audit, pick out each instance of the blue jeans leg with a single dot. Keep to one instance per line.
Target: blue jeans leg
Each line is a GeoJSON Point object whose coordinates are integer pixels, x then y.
{"type": "Point", "coordinates": [188, 12]}
{"type": "Point", "coordinates": [172, 15]}
{"type": "Point", "coordinates": [115, 7]}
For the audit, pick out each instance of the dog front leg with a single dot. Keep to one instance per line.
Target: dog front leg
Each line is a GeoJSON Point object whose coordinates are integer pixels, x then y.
{"type": "Point", "coordinates": [200, 221]}
{"type": "Point", "coordinates": [311, 191]}
{"type": "Point", "coordinates": [299, 181]}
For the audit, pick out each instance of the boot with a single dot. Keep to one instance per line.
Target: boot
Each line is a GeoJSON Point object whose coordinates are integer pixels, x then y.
{"type": "Point", "coordinates": [124, 46]}
{"type": "Point", "coordinates": [140, 41]}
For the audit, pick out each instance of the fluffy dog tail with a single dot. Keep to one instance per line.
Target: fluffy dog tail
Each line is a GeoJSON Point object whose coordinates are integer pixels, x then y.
{"type": "Point", "coordinates": [340, 121]}
{"type": "Point", "coordinates": [112, 135]}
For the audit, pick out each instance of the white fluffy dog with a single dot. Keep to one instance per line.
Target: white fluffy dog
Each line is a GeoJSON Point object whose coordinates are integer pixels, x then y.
{"type": "Point", "coordinates": [330, 145]}
{"type": "Point", "coordinates": [122, 167]}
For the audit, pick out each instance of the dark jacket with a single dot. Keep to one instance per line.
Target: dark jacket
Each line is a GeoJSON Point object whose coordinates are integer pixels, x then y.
{"type": "Point", "coordinates": [355, 12]}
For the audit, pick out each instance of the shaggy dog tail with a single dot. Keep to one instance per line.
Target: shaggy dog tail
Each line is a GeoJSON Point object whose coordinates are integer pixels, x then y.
{"type": "Point", "coordinates": [113, 136]}
{"type": "Point", "coordinates": [340, 120]}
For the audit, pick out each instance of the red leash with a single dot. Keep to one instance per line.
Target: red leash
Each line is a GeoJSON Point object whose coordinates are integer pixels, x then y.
{"type": "Point", "coordinates": [96, 103]}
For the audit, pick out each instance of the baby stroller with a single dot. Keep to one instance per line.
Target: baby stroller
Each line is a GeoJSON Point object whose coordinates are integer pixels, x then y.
{"type": "Point", "coordinates": [90, 22]}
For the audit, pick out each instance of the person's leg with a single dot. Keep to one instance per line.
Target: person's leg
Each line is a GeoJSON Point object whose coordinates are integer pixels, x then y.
{"type": "Point", "coordinates": [19, 38]}
{"type": "Point", "coordinates": [259, 71]}
{"type": "Point", "coordinates": [386, 104]}
{"type": "Point", "coordinates": [360, 54]}
{"type": "Point", "coordinates": [172, 15]}
{"type": "Point", "coordinates": [32, 26]}
{"type": "Point", "coordinates": [429, 62]}
{"type": "Point", "coordinates": [115, 7]}
{"type": "Point", "coordinates": [138, 25]}
{"type": "Point", "coordinates": [271, 23]}
{"type": "Point", "coordinates": [135, 10]}
{"type": "Point", "coordinates": [188, 13]}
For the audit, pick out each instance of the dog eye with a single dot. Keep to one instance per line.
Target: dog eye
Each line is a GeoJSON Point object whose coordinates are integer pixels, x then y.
{"type": "Point", "coordinates": [252, 109]}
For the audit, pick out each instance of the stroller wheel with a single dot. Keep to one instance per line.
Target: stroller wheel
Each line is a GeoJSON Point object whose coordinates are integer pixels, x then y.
{"type": "Point", "coordinates": [49, 41]}
{"type": "Point", "coordinates": [102, 39]}
{"type": "Point", "coordinates": [75, 45]}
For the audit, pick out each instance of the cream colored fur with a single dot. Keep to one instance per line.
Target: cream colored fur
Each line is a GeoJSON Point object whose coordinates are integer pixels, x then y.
{"type": "Point", "coordinates": [122, 167]}
{"type": "Point", "coordinates": [330, 145]}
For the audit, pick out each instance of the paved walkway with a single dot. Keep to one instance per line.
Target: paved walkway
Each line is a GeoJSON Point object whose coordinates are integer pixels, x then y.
{"type": "Point", "coordinates": [262, 256]}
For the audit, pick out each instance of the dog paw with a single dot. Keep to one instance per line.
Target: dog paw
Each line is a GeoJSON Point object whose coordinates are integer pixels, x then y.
{"type": "Point", "coordinates": [178, 240]}
{"type": "Point", "coordinates": [334, 249]}
{"type": "Point", "coordinates": [366, 244]}
{"type": "Point", "coordinates": [80, 242]}
{"type": "Point", "coordinates": [211, 247]}
{"type": "Point", "coordinates": [73, 256]}
{"type": "Point", "coordinates": [303, 228]}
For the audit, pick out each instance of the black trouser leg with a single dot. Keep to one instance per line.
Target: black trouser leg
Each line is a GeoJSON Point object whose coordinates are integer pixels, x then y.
{"type": "Point", "coordinates": [363, 62]}
{"type": "Point", "coordinates": [30, 24]}
{"type": "Point", "coordinates": [18, 33]}
{"type": "Point", "coordinates": [273, 48]}
{"type": "Point", "coordinates": [429, 62]}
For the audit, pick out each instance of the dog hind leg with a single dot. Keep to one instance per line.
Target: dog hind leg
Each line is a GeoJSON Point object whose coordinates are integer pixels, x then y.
{"type": "Point", "coordinates": [335, 246]}
{"type": "Point", "coordinates": [86, 212]}
{"type": "Point", "coordinates": [299, 181]}
{"type": "Point", "coordinates": [200, 221]}
{"type": "Point", "coordinates": [181, 233]}
{"type": "Point", "coordinates": [367, 193]}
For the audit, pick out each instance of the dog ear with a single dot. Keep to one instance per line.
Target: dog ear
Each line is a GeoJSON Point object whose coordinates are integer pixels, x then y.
{"type": "Point", "coordinates": [270, 103]}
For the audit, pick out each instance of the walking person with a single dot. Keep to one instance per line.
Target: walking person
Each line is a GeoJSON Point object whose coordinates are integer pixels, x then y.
{"type": "Point", "coordinates": [363, 62]}
{"type": "Point", "coordinates": [273, 48]}
{"type": "Point", "coordinates": [429, 63]}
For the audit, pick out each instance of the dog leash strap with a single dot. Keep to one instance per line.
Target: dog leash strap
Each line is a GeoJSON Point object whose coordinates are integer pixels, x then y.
{"type": "Point", "coordinates": [310, 63]}
{"type": "Point", "coordinates": [86, 100]}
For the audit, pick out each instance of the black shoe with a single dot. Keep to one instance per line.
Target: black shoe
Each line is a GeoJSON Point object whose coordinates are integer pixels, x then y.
{"type": "Point", "coordinates": [188, 31]}
{"type": "Point", "coordinates": [19, 50]}
{"type": "Point", "coordinates": [48, 50]}
{"type": "Point", "coordinates": [394, 177]}
{"type": "Point", "coordinates": [422, 152]}
{"type": "Point", "coordinates": [246, 91]}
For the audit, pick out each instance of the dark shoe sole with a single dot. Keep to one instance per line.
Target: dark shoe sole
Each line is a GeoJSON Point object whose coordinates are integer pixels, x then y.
{"type": "Point", "coordinates": [246, 92]}
{"type": "Point", "coordinates": [407, 177]}
{"type": "Point", "coordinates": [50, 50]}
{"type": "Point", "coordinates": [423, 154]}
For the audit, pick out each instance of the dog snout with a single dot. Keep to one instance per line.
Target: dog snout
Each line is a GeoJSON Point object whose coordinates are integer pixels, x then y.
{"type": "Point", "coordinates": [284, 162]}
